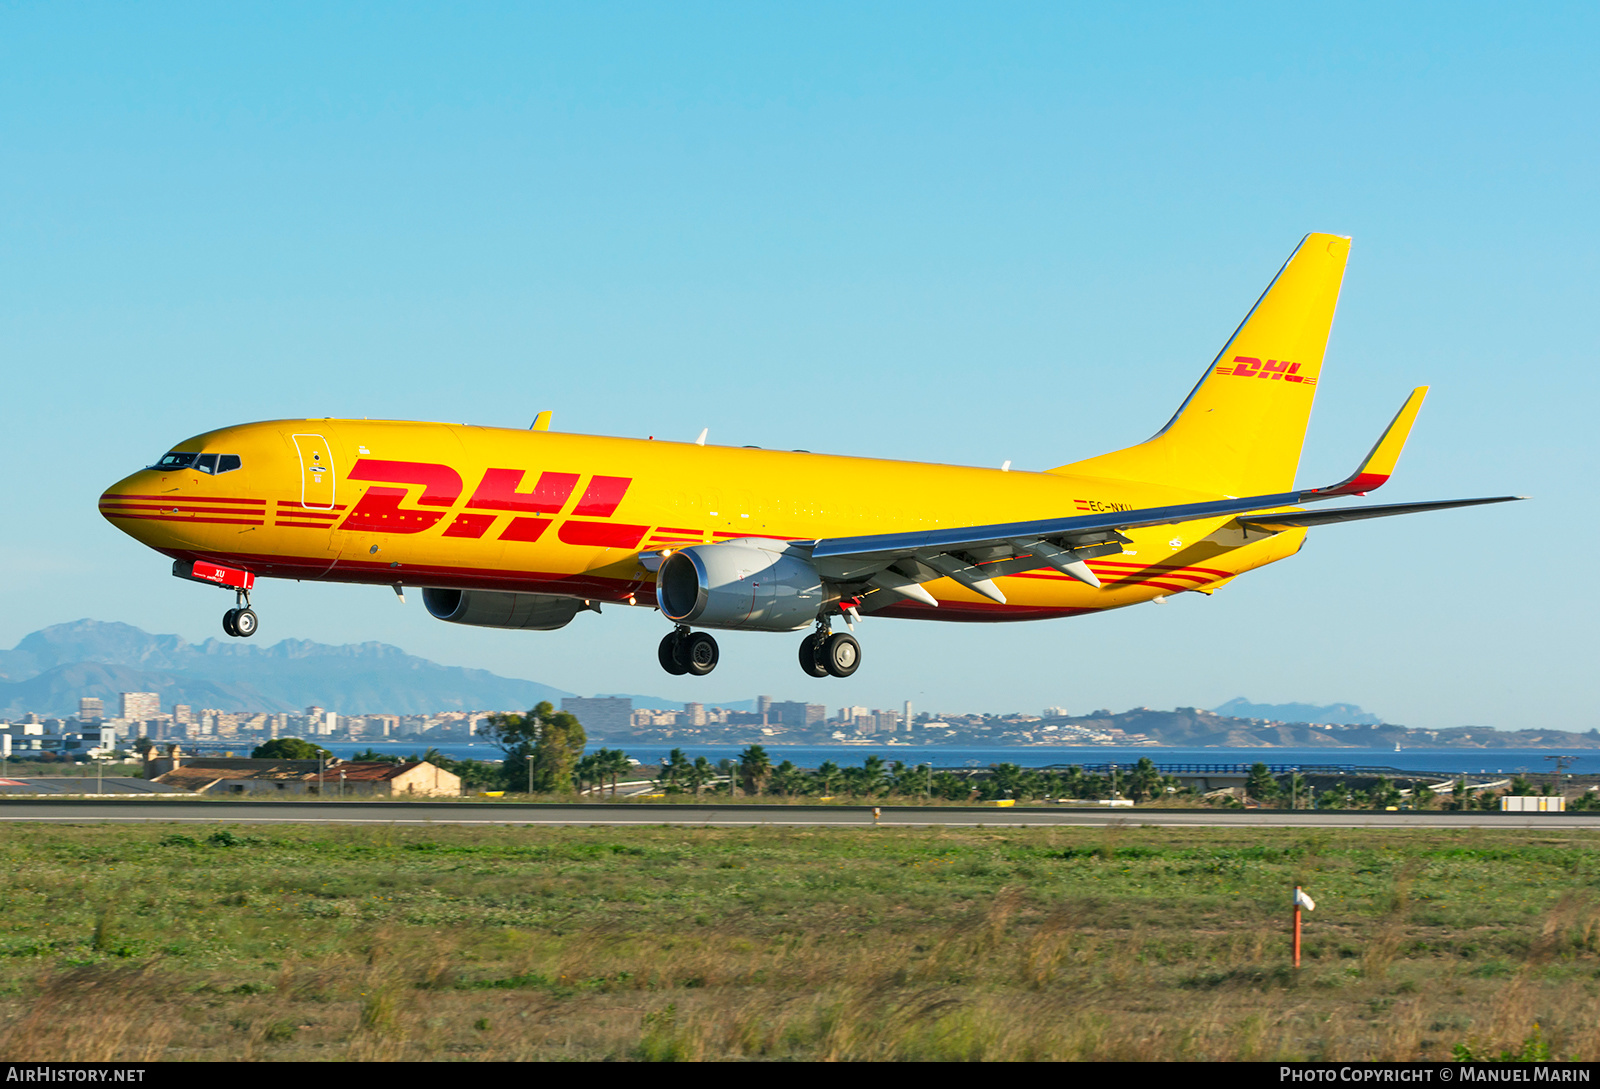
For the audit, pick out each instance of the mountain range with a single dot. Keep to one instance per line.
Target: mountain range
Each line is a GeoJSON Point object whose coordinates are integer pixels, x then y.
{"type": "Point", "coordinates": [1345, 714]}
{"type": "Point", "coordinates": [50, 669]}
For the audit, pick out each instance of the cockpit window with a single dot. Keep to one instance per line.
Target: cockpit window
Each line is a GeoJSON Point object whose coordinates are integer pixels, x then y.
{"type": "Point", "coordinates": [211, 464]}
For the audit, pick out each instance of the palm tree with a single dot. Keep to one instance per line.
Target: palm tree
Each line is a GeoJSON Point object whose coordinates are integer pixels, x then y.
{"type": "Point", "coordinates": [1259, 784]}
{"type": "Point", "coordinates": [699, 774]}
{"type": "Point", "coordinates": [615, 763]}
{"type": "Point", "coordinates": [788, 779]}
{"type": "Point", "coordinates": [827, 773]}
{"type": "Point", "coordinates": [754, 768]}
{"type": "Point", "coordinates": [873, 772]}
{"type": "Point", "coordinates": [1005, 780]}
{"type": "Point", "coordinates": [674, 767]}
{"type": "Point", "coordinates": [1144, 783]}
{"type": "Point", "coordinates": [589, 770]}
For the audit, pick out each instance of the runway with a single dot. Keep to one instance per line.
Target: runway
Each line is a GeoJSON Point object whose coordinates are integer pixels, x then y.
{"type": "Point", "coordinates": [131, 810]}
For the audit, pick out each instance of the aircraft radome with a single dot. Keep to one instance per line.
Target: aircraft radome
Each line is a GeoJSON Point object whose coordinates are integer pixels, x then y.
{"type": "Point", "coordinates": [526, 529]}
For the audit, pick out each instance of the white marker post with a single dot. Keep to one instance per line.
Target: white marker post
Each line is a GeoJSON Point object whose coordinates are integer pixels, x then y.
{"type": "Point", "coordinates": [1301, 900]}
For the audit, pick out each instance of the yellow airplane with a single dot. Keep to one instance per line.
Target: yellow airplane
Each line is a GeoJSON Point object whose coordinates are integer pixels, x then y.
{"type": "Point", "coordinates": [525, 529]}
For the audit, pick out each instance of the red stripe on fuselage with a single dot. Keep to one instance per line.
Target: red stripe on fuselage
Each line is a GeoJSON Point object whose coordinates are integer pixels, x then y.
{"type": "Point", "coordinates": [181, 519]}
{"type": "Point", "coordinates": [118, 496]}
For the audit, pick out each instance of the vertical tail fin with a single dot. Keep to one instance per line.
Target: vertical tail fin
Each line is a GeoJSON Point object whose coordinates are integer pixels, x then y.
{"type": "Point", "coordinates": [1241, 429]}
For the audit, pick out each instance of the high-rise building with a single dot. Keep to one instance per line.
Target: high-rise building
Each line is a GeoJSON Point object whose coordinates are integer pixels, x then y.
{"type": "Point", "coordinates": [140, 706]}
{"type": "Point", "coordinates": [696, 713]}
{"type": "Point", "coordinates": [91, 709]}
{"type": "Point", "coordinates": [796, 715]}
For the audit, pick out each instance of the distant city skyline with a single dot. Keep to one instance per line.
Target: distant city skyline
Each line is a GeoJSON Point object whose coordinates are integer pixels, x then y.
{"type": "Point", "coordinates": [944, 234]}
{"type": "Point", "coordinates": [372, 680]}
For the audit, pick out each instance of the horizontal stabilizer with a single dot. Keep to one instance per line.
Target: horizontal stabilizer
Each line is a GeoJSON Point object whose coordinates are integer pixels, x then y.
{"type": "Point", "coordinates": [1292, 519]}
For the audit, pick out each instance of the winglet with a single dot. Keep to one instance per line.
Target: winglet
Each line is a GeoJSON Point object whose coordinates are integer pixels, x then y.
{"type": "Point", "coordinates": [1380, 462]}
{"type": "Point", "coordinates": [541, 422]}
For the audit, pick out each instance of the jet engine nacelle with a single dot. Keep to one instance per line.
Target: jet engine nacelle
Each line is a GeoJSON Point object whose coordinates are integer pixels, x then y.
{"type": "Point", "coordinates": [750, 583]}
{"type": "Point", "coordinates": [496, 609]}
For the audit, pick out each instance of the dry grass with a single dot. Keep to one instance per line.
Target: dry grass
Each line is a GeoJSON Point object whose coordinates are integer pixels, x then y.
{"type": "Point", "coordinates": [300, 943]}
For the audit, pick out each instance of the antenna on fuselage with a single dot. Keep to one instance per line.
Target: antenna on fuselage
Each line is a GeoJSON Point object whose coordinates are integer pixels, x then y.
{"type": "Point", "coordinates": [701, 441]}
{"type": "Point", "coordinates": [541, 422]}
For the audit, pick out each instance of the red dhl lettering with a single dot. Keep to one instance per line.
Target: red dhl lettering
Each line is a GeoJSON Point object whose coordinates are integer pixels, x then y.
{"type": "Point", "coordinates": [498, 491]}
{"type": "Point", "coordinates": [381, 509]}
{"type": "Point", "coordinates": [1248, 366]}
{"type": "Point", "coordinates": [441, 485]}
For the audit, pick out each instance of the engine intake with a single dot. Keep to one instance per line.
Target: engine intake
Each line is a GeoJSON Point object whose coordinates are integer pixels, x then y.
{"type": "Point", "coordinates": [497, 609]}
{"type": "Point", "coordinates": [750, 584]}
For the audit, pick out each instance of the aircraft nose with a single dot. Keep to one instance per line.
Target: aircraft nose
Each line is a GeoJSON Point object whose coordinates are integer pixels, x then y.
{"type": "Point", "coordinates": [130, 504]}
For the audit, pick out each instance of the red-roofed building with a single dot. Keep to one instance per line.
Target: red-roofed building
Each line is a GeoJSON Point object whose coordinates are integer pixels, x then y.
{"type": "Point", "coordinates": [259, 778]}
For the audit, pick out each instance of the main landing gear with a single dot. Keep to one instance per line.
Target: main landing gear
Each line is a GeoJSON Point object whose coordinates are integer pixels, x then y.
{"type": "Point", "coordinates": [241, 621]}
{"type": "Point", "coordinates": [823, 653]}
{"type": "Point", "coordinates": [827, 653]}
{"type": "Point", "coordinates": [684, 651]}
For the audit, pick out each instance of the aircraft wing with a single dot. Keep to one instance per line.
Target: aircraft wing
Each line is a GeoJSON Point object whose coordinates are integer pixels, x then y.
{"type": "Point", "coordinates": [975, 556]}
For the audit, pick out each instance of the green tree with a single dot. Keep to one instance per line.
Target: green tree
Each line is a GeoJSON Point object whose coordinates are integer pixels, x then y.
{"type": "Point", "coordinates": [373, 756]}
{"type": "Point", "coordinates": [588, 771]}
{"type": "Point", "coordinates": [554, 739]}
{"type": "Point", "coordinates": [1144, 784]}
{"type": "Point", "coordinates": [951, 787]}
{"type": "Point", "coordinates": [1260, 784]}
{"type": "Point", "coordinates": [827, 774]}
{"type": "Point", "coordinates": [868, 780]}
{"type": "Point", "coordinates": [673, 769]}
{"type": "Point", "coordinates": [755, 767]}
{"type": "Point", "coordinates": [1005, 781]}
{"type": "Point", "coordinates": [615, 763]}
{"type": "Point", "coordinates": [788, 779]}
{"type": "Point", "coordinates": [289, 748]}
{"type": "Point", "coordinates": [700, 774]}
{"type": "Point", "coordinates": [1384, 794]}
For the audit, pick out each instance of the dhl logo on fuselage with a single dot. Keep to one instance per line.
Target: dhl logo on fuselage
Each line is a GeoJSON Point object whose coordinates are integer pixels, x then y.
{"type": "Point", "coordinates": [380, 510]}
{"type": "Point", "coordinates": [1248, 366]}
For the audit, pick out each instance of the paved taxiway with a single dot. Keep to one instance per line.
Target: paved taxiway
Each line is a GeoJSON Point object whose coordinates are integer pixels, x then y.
{"type": "Point", "coordinates": [134, 810]}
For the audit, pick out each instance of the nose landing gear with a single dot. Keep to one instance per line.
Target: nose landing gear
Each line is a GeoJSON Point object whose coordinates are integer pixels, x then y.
{"type": "Point", "coordinates": [241, 621]}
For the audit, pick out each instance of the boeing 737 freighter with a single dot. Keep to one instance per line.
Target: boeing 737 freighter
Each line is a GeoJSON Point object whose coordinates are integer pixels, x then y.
{"type": "Point", "coordinates": [526, 529]}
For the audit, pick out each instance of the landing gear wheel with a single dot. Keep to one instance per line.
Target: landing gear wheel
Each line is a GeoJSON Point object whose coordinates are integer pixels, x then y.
{"type": "Point", "coordinates": [670, 654]}
{"type": "Point", "coordinates": [245, 623]}
{"type": "Point", "coordinates": [841, 654]}
{"type": "Point", "coordinates": [227, 622]}
{"type": "Point", "coordinates": [700, 654]}
{"type": "Point", "coordinates": [811, 655]}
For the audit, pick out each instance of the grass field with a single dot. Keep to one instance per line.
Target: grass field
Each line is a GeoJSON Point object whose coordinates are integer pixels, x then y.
{"type": "Point", "coordinates": [301, 942]}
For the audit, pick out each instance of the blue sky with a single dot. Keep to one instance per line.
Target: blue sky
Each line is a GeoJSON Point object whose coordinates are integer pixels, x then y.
{"type": "Point", "coordinates": [936, 232]}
